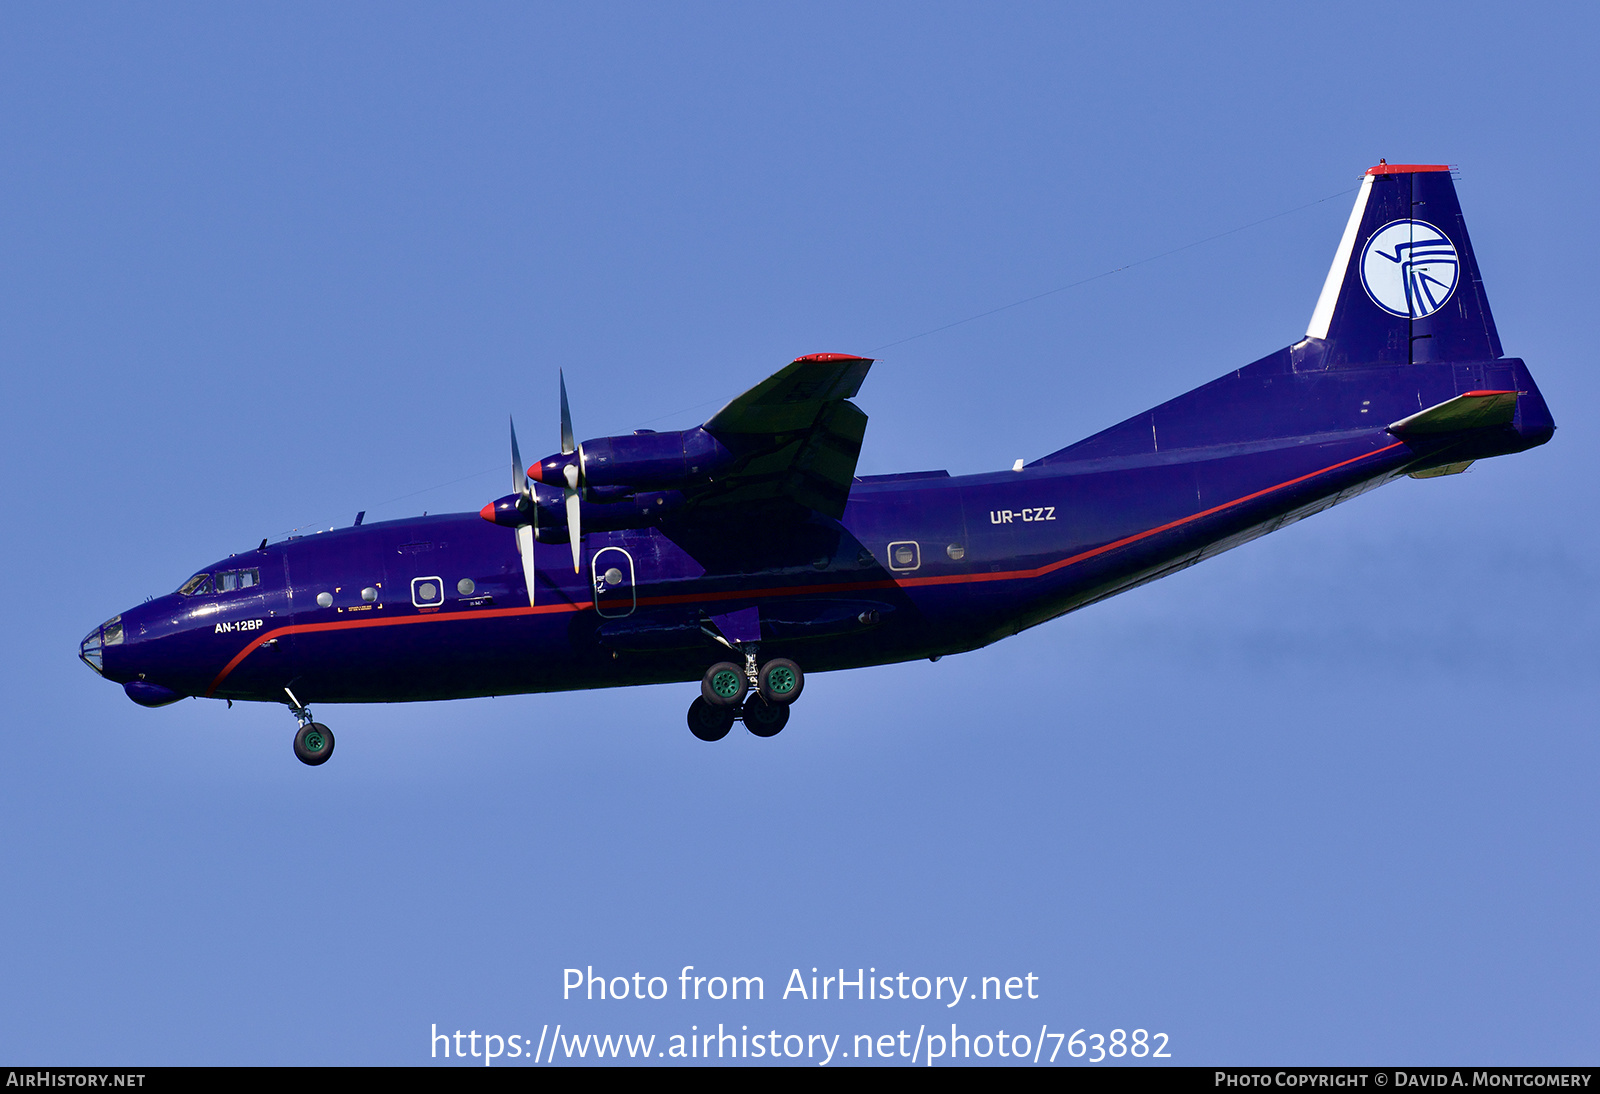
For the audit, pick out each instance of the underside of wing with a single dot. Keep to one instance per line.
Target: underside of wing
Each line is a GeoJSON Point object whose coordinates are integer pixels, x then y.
{"type": "Point", "coordinates": [795, 436]}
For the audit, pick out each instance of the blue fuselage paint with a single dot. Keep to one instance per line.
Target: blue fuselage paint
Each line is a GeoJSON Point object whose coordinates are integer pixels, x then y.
{"type": "Point", "coordinates": [919, 565]}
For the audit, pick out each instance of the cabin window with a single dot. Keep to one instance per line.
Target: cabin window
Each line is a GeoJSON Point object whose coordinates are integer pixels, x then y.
{"type": "Point", "coordinates": [905, 555]}
{"type": "Point", "coordinates": [196, 585]}
{"type": "Point", "coordinates": [427, 592]}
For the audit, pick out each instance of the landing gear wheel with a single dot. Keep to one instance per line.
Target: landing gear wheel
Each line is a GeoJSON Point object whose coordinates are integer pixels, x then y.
{"type": "Point", "coordinates": [707, 722]}
{"type": "Point", "coordinates": [314, 743]}
{"type": "Point", "coordinates": [764, 719]}
{"type": "Point", "coordinates": [780, 681]}
{"type": "Point", "coordinates": [724, 685]}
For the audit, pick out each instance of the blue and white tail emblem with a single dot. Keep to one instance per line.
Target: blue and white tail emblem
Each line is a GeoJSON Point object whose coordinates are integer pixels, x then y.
{"type": "Point", "coordinates": [1410, 268]}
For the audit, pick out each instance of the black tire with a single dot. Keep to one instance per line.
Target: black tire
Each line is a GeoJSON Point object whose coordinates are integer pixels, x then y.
{"type": "Point", "coordinates": [313, 744]}
{"type": "Point", "coordinates": [764, 719]}
{"type": "Point", "coordinates": [780, 681]}
{"type": "Point", "coordinates": [724, 685]}
{"type": "Point", "coordinates": [709, 723]}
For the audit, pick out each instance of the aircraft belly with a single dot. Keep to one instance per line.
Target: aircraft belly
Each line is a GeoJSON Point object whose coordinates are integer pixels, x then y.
{"type": "Point", "coordinates": [528, 654]}
{"type": "Point", "coordinates": [438, 658]}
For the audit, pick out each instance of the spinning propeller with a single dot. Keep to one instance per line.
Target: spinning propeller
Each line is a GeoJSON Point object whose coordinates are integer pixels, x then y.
{"type": "Point", "coordinates": [526, 503]}
{"type": "Point", "coordinates": [526, 520]}
{"type": "Point", "coordinates": [608, 483]}
{"type": "Point", "coordinates": [572, 472]}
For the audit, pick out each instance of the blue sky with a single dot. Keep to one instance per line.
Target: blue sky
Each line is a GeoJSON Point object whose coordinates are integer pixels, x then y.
{"type": "Point", "coordinates": [1325, 799]}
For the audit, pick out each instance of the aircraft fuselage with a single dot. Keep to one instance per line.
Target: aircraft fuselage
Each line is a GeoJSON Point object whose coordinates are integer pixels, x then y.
{"type": "Point", "coordinates": [919, 566]}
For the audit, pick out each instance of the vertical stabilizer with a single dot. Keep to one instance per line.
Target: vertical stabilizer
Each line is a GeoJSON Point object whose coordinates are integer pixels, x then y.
{"type": "Point", "coordinates": [1404, 287]}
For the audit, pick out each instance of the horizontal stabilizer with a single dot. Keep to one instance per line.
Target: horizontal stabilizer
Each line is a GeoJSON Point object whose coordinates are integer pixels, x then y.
{"type": "Point", "coordinates": [1439, 472]}
{"type": "Point", "coordinates": [1474, 410]}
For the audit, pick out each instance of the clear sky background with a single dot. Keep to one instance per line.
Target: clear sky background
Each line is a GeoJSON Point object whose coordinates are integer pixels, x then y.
{"type": "Point", "coordinates": [1329, 798]}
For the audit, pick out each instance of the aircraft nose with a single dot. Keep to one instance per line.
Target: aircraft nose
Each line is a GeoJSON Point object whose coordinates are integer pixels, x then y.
{"type": "Point", "coordinates": [91, 651]}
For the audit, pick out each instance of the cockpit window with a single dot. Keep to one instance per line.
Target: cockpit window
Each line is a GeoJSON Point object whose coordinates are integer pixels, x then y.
{"type": "Point", "coordinates": [224, 581]}
{"type": "Point", "coordinates": [230, 580]}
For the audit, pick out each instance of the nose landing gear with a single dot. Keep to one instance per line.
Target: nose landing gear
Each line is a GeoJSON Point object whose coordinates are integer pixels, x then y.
{"type": "Point", "coordinates": [313, 743]}
{"type": "Point", "coordinates": [759, 698]}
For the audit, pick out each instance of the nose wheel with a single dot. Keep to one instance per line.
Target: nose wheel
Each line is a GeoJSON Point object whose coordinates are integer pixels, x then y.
{"type": "Point", "coordinates": [759, 698]}
{"type": "Point", "coordinates": [313, 742]}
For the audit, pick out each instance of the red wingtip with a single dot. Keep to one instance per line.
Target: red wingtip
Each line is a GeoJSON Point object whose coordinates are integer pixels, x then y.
{"type": "Point", "coordinates": [1406, 168]}
{"type": "Point", "coordinates": [832, 357]}
{"type": "Point", "coordinates": [487, 512]}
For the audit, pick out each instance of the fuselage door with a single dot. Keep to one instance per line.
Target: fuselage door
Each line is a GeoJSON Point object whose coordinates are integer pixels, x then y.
{"type": "Point", "coordinates": [611, 569]}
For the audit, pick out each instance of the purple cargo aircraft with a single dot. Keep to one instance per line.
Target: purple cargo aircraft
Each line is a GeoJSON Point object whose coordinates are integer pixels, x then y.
{"type": "Point", "coordinates": [741, 550]}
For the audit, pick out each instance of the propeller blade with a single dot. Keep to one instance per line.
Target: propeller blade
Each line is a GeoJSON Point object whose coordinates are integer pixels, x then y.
{"type": "Point", "coordinates": [527, 503]}
{"type": "Point", "coordinates": [519, 473]}
{"type": "Point", "coordinates": [574, 532]}
{"type": "Point", "coordinates": [525, 549]}
{"type": "Point", "coordinates": [574, 507]}
{"type": "Point", "coordinates": [568, 445]}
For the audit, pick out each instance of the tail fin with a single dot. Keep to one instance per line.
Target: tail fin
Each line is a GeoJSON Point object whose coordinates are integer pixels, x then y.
{"type": "Point", "coordinates": [1401, 331]}
{"type": "Point", "coordinates": [1404, 287]}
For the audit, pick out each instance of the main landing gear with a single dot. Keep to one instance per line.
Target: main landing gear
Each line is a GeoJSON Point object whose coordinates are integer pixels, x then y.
{"type": "Point", "coordinates": [313, 743]}
{"type": "Point", "coordinates": [759, 698]}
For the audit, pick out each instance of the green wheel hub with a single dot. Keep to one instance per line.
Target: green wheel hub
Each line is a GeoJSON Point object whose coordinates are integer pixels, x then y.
{"type": "Point", "coordinates": [781, 680]}
{"type": "Point", "coordinates": [725, 684]}
{"type": "Point", "coordinates": [313, 743]}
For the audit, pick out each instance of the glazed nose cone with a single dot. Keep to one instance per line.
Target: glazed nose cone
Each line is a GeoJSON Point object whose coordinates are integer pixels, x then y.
{"type": "Point", "coordinates": [96, 650]}
{"type": "Point", "coordinates": [91, 651]}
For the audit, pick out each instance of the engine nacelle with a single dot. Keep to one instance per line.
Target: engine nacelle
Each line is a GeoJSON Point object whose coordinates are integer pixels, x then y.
{"type": "Point", "coordinates": [639, 461]}
{"type": "Point", "coordinates": [639, 509]}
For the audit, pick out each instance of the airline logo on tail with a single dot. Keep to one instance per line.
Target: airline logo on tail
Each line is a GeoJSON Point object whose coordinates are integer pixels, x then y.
{"type": "Point", "coordinates": [1409, 268]}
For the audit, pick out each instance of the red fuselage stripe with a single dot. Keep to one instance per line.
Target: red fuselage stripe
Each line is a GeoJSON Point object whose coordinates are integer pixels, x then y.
{"type": "Point", "coordinates": [786, 590]}
{"type": "Point", "coordinates": [1136, 537]}
{"type": "Point", "coordinates": [397, 621]}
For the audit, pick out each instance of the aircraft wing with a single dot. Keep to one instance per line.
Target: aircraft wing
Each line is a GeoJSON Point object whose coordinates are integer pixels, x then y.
{"type": "Point", "coordinates": [795, 437]}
